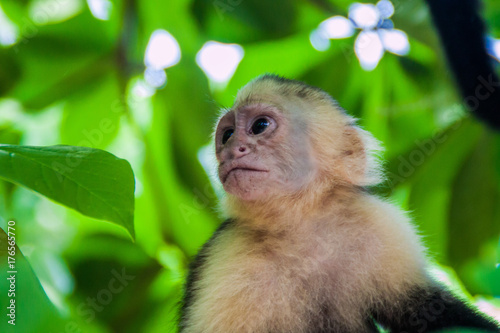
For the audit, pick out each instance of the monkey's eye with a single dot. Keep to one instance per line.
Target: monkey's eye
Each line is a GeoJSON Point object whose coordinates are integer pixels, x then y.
{"type": "Point", "coordinates": [260, 125]}
{"type": "Point", "coordinates": [227, 134]}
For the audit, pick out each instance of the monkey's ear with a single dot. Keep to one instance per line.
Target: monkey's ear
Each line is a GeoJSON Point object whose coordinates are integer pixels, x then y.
{"type": "Point", "coordinates": [359, 162]}
{"type": "Point", "coordinates": [353, 157]}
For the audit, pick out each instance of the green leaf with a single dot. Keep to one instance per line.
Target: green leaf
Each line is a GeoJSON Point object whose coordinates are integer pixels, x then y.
{"type": "Point", "coordinates": [34, 312]}
{"type": "Point", "coordinates": [498, 251]}
{"type": "Point", "coordinates": [91, 117]}
{"type": "Point", "coordinates": [57, 60]}
{"type": "Point", "coordinates": [431, 167]}
{"type": "Point", "coordinates": [481, 276]}
{"type": "Point", "coordinates": [474, 221]}
{"type": "Point", "coordinates": [91, 181]}
{"type": "Point", "coordinates": [10, 72]}
{"type": "Point", "coordinates": [255, 19]}
{"type": "Point", "coordinates": [185, 219]}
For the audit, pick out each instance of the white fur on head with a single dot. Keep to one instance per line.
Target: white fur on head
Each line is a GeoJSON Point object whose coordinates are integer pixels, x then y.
{"type": "Point", "coordinates": [344, 151]}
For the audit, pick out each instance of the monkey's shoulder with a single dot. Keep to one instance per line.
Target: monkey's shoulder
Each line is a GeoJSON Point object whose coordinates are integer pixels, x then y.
{"type": "Point", "coordinates": [202, 256]}
{"type": "Point", "coordinates": [196, 268]}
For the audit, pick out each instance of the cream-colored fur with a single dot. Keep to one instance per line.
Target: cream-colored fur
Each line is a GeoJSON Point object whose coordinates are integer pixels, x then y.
{"type": "Point", "coordinates": [361, 251]}
{"type": "Point", "coordinates": [328, 246]}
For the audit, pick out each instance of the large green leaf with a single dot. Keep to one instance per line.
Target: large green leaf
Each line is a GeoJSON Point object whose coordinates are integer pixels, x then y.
{"type": "Point", "coordinates": [33, 311]}
{"type": "Point", "coordinates": [256, 19]}
{"type": "Point", "coordinates": [474, 220]}
{"type": "Point", "coordinates": [9, 73]}
{"type": "Point", "coordinates": [481, 276]}
{"type": "Point", "coordinates": [91, 181]}
{"type": "Point", "coordinates": [184, 217]}
{"type": "Point", "coordinates": [430, 167]}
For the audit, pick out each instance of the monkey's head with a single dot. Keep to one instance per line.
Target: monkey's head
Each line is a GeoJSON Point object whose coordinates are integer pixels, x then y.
{"type": "Point", "coordinates": [282, 138]}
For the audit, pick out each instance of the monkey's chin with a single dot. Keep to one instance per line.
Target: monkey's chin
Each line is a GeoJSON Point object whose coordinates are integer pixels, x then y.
{"type": "Point", "coordinates": [248, 185]}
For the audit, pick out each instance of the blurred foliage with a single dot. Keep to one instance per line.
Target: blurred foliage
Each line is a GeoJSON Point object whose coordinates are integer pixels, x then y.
{"type": "Point", "coordinates": [72, 79]}
{"type": "Point", "coordinates": [89, 180]}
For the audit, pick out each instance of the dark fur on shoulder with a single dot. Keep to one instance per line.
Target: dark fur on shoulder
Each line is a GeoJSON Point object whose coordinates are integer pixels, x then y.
{"type": "Point", "coordinates": [431, 309]}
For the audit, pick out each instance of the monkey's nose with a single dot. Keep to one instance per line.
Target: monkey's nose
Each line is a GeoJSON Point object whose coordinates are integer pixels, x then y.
{"type": "Point", "coordinates": [240, 151]}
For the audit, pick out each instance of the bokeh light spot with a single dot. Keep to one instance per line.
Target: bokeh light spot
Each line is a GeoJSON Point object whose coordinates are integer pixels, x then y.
{"type": "Point", "coordinates": [8, 30]}
{"type": "Point", "coordinates": [395, 41]}
{"type": "Point", "coordinates": [365, 16]}
{"type": "Point", "coordinates": [493, 47]}
{"type": "Point", "coordinates": [385, 8]}
{"type": "Point", "coordinates": [337, 27]}
{"type": "Point", "coordinates": [162, 51]}
{"type": "Point", "coordinates": [100, 9]}
{"type": "Point", "coordinates": [142, 90]}
{"type": "Point", "coordinates": [53, 11]}
{"type": "Point", "coordinates": [219, 61]}
{"type": "Point", "coordinates": [369, 49]}
{"type": "Point", "coordinates": [156, 78]}
{"type": "Point", "coordinates": [319, 40]}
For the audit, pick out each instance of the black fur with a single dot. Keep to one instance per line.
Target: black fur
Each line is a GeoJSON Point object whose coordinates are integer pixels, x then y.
{"type": "Point", "coordinates": [462, 33]}
{"type": "Point", "coordinates": [431, 309]}
{"type": "Point", "coordinates": [195, 268]}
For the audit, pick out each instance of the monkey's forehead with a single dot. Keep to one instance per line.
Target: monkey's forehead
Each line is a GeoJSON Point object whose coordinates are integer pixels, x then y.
{"type": "Point", "coordinates": [278, 86]}
{"type": "Point", "coordinates": [287, 96]}
{"type": "Point", "coordinates": [260, 101]}
{"type": "Point", "coordinates": [252, 106]}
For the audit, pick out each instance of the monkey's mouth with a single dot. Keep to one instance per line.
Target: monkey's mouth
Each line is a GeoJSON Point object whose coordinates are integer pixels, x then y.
{"type": "Point", "coordinates": [241, 169]}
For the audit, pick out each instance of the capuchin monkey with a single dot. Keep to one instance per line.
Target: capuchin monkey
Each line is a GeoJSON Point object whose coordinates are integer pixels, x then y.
{"type": "Point", "coordinates": [306, 247]}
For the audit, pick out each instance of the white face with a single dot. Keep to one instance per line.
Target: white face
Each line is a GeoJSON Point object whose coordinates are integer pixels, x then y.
{"type": "Point", "coordinates": [262, 153]}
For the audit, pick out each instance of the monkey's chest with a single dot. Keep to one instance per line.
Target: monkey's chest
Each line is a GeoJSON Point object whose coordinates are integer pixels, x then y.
{"type": "Point", "coordinates": [274, 287]}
